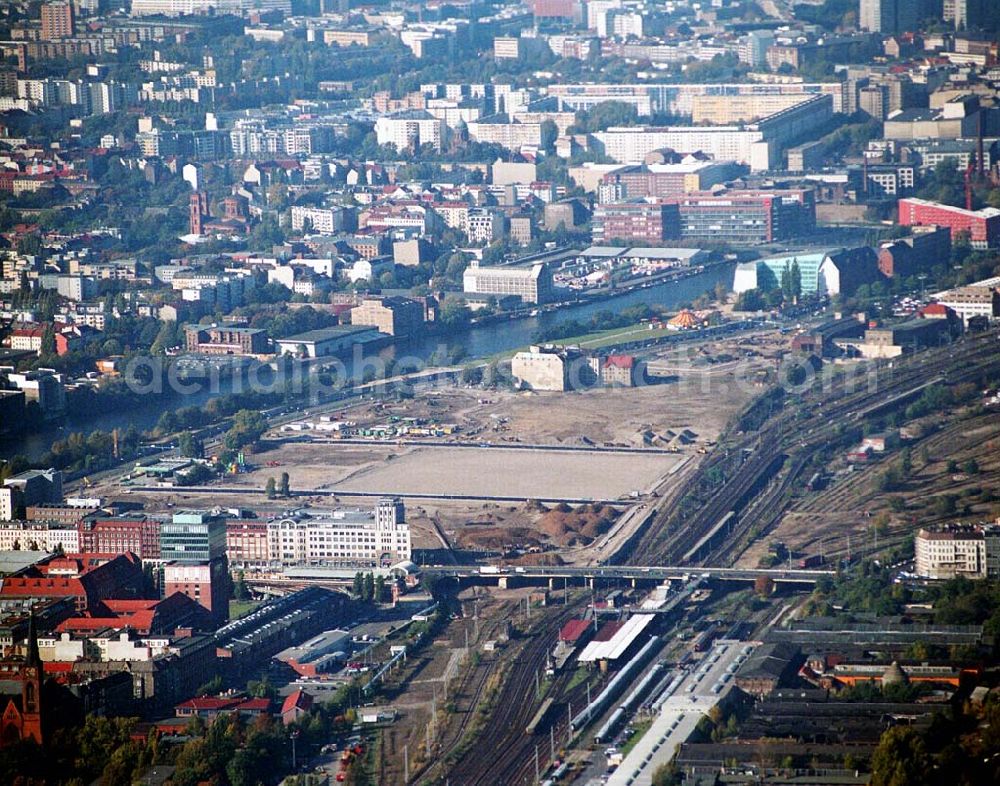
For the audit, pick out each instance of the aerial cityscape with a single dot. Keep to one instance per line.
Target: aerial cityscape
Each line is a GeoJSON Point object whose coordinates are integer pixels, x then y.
{"type": "Point", "coordinates": [500, 392]}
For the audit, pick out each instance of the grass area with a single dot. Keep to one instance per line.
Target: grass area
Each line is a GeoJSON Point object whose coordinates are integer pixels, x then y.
{"type": "Point", "coordinates": [579, 676]}
{"type": "Point", "coordinates": [638, 730]}
{"type": "Point", "coordinates": [240, 608]}
{"type": "Point", "coordinates": [605, 338]}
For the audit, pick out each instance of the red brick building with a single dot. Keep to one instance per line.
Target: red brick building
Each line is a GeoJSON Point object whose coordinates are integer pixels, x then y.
{"type": "Point", "coordinates": [206, 583]}
{"type": "Point", "coordinates": [246, 542]}
{"type": "Point", "coordinates": [137, 533]}
{"type": "Point", "coordinates": [88, 579]}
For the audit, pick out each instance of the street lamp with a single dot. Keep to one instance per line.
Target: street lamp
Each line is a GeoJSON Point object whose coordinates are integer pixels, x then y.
{"type": "Point", "coordinates": [293, 735]}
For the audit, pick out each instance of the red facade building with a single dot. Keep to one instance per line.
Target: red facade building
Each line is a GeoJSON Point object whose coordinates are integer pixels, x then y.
{"type": "Point", "coordinates": [982, 226]}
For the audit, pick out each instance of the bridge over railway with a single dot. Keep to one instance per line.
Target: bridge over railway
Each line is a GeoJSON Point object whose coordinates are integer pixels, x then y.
{"type": "Point", "coordinates": [554, 575]}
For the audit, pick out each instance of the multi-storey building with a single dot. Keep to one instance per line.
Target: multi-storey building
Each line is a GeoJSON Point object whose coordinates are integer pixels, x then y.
{"type": "Point", "coordinates": [193, 547]}
{"type": "Point", "coordinates": [638, 222]}
{"type": "Point", "coordinates": [134, 532]}
{"type": "Point", "coordinates": [678, 99]}
{"type": "Point", "coordinates": [394, 316]}
{"type": "Point", "coordinates": [342, 538]}
{"type": "Point", "coordinates": [57, 20]}
{"type": "Point", "coordinates": [225, 340]}
{"type": "Point", "coordinates": [32, 487]}
{"type": "Point", "coordinates": [484, 225]}
{"type": "Point", "coordinates": [246, 543]}
{"type": "Point", "coordinates": [664, 180]}
{"type": "Point", "coordinates": [193, 535]}
{"type": "Point", "coordinates": [950, 552]}
{"type": "Point", "coordinates": [322, 220]}
{"type": "Point", "coordinates": [981, 226]}
{"type": "Point", "coordinates": [533, 284]}
{"type": "Point", "coordinates": [410, 130]}
{"type": "Point", "coordinates": [39, 536]}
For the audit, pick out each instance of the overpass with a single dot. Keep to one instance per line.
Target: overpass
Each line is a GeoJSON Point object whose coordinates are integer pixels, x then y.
{"type": "Point", "coordinates": [657, 573]}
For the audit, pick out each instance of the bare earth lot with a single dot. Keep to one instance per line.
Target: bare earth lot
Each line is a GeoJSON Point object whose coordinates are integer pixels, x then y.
{"type": "Point", "coordinates": [529, 474]}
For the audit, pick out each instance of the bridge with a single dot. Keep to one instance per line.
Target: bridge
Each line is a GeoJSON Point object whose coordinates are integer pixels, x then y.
{"type": "Point", "coordinates": [635, 573]}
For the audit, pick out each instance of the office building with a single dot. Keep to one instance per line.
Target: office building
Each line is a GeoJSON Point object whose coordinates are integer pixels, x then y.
{"type": "Point", "coordinates": [637, 222]}
{"type": "Point", "coordinates": [981, 226]}
{"type": "Point", "coordinates": [342, 538]}
{"type": "Point", "coordinates": [193, 535]}
{"type": "Point", "coordinates": [33, 487]}
{"type": "Point", "coordinates": [950, 552]}
{"type": "Point", "coordinates": [532, 283]}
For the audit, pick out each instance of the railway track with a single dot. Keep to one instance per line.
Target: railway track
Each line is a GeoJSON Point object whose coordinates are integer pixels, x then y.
{"type": "Point", "coordinates": [802, 426]}
{"type": "Point", "coordinates": [498, 754]}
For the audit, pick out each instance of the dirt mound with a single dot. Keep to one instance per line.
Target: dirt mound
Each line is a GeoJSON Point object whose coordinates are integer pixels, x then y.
{"type": "Point", "coordinates": [549, 558]}
{"type": "Point", "coordinates": [565, 525]}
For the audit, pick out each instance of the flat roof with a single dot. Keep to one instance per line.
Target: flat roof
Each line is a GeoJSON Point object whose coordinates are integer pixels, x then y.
{"type": "Point", "coordinates": [616, 646]}
{"type": "Point", "coordinates": [327, 334]}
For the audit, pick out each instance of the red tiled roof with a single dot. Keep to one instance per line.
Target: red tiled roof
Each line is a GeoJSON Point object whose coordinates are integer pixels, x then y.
{"type": "Point", "coordinates": [299, 699]}
{"type": "Point", "coordinates": [573, 630]}
{"type": "Point", "coordinates": [209, 703]}
{"type": "Point", "coordinates": [608, 630]}
{"type": "Point", "coordinates": [620, 361]}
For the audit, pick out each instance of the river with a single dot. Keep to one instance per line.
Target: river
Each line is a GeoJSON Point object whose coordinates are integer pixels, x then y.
{"type": "Point", "coordinates": [478, 341]}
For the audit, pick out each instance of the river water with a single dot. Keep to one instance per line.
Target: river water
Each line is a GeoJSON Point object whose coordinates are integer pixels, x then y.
{"type": "Point", "coordinates": [478, 341]}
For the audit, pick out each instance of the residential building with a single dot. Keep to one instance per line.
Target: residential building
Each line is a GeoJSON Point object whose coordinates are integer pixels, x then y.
{"type": "Point", "coordinates": [484, 225]}
{"type": "Point", "coordinates": [321, 220]}
{"type": "Point", "coordinates": [394, 316]}
{"type": "Point", "coordinates": [38, 536]}
{"type": "Point", "coordinates": [410, 130]}
{"type": "Point", "coordinates": [950, 552]}
{"type": "Point", "coordinates": [532, 283]}
{"type": "Point", "coordinates": [342, 538]}
{"type": "Point", "coordinates": [57, 20]}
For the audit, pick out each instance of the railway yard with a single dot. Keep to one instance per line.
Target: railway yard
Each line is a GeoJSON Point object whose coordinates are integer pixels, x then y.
{"type": "Point", "coordinates": [716, 466]}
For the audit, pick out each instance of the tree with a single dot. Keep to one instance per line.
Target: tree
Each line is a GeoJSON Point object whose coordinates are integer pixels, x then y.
{"type": "Point", "coordinates": [359, 585]}
{"type": "Point", "coordinates": [763, 586]}
{"type": "Point", "coordinates": [971, 467]}
{"type": "Point", "coordinates": [269, 488]}
{"type": "Point", "coordinates": [900, 759]}
{"type": "Point", "coordinates": [369, 593]}
{"type": "Point", "coordinates": [48, 347]}
{"type": "Point", "coordinates": [283, 485]}
{"type": "Point", "coordinates": [247, 428]}
{"type": "Point", "coordinates": [379, 589]}
{"type": "Point", "coordinates": [189, 446]}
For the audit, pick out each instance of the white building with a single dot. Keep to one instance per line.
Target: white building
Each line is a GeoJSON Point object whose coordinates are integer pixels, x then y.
{"type": "Point", "coordinates": [323, 220]}
{"type": "Point", "coordinates": [950, 552]}
{"type": "Point", "coordinates": [972, 301]}
{"type": "Point", "coordinates": [533, 284]}
{"type": "Point", "coordinates": [344, 538]}
{"type": "Point", "coordinates": [38, 536]}
{"type": "Point", "coordinates": [410, 130]}
{"type": "Point", "coordinates": [484, 225]}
